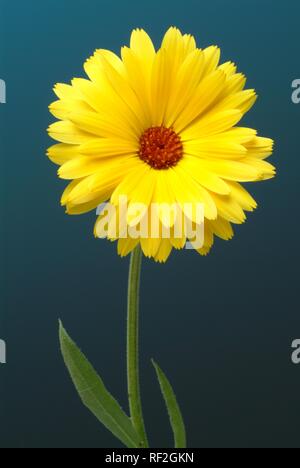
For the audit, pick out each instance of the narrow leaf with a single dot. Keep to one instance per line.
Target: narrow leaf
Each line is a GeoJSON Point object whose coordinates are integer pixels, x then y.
{"type": "Point", "coordinates": [175, 415]}
{"type": "Point", "coordinates": [93, 393]}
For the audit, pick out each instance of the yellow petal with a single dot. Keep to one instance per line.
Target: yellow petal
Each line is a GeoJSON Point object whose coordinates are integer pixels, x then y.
{"type": "Point", "coordinates": [189, 43]}
{"type": "Point", "coordinates": [242, 101]}
{"type": "Point", "coordinates": [217, 147]}
{"type": "Point", "coordinates": [67, 132]}
{"type": "Point", "coordinates": [164, 251]}
{"type": "Point", "coordinates": [109, 106]}
{"type": "Point", "coordinates": [165, 199]}
{"type": "Point", "coordinates": [95, 125]}
{"type": "Point", "coordinates": [266, 169]}
{"type": "Point", "coordinates": [186, 81]}
{"type": "Point", "coordinates": [126, 93]}
{"type": "Point", "coordinates": [84, 165]}
{"type": "Point", "coordinates": [260, 147]}
{"type": "Point", "coordinates": [212, 124]}
{"type": "Point", "coordinates": [234, 84]}
{"type": "Point", "coordinates": [212, 57]}
{"type": "Point", "coordinates": [125, 246]}
{"type": "Point", "coordinates": [62, 153]}
{"type": "Point", "coordinates": [142, 46]}
{"type": "Point", "coordinates": [179, 230]}
{"type": "Point", "coordinates": [243, 198]}
{"type": "Point", "coordinates": [106, 147]}
{"type": "Point", "coordinates": [83, 207]}
{"type": "Point", "coordinates": [101, 183]}
{"type": "Point", "coordinates": [204, 96]}
{"type": "Point", "coordinates": [174, 46]}
{"type": "Point", "coordinates": [113, 59]}
{"type": "Point", "coordinates": [229, 68]}
{"type": "Point", "coordinates": [127, 185]}
{"type": "Point", "coordinates": [232, 170]}
{"type": "Point", "coordinates": [221, 228]}
{"type": "Point", "coordinates": [68, 190]}
{"type": "Point", "coordinates": [61, 109]}
{"type": "Point", "coordinates": [205, 178]}
{"type": "Point", "coordinates": [160, 87]}
{"type": "Point", "coordinates": [150, 246]}
{"type": "Point", "coordinates": [239, 135]}
{"type": "Point", "coordinates": [178, 243]}
{"type": "Point", "coordinates": [94, 69]}
{"type": "Point", "coordinates": [187, 191]}
{"type": "Point", "coordinates": [81, 193]}
{"type": "Point", "coordinates": [65, 91]}
{"type": "Point", "coordinates": [229, 209]}
{"type": "Point", "coordinates": [94, 95]}
{"type": "Point", "coordinates": [141, 194]}
{"type": "Point", "coordinates": [208, 240]}
{"type": "Point", "coordinates": [140, 80]}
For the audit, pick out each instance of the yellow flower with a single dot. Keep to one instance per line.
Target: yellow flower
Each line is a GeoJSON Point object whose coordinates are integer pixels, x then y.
{"type": "Point", "coordinates": [158, 128]}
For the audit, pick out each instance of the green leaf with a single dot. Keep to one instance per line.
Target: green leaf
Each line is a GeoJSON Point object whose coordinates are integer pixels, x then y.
{"type": "Point", "coordinates": [93, 393]}
{"type": "Point", "coordinates": [175, 415]}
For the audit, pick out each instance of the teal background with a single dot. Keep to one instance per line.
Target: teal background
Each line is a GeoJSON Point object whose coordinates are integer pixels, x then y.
{"type": "Point", "coordinates": [221, 327]}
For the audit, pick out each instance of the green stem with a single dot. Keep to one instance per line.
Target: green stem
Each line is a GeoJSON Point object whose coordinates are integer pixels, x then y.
{"type": "Point", "coordinates": [135, 403]}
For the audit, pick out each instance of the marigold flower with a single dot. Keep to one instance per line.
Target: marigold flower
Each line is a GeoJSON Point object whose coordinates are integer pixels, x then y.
{"type": "Point", "coordinates": [159, 127]}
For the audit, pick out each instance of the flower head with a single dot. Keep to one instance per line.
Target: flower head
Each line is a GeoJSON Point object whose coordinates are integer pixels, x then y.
{"type": "Point", "coordinates": [160, 129]}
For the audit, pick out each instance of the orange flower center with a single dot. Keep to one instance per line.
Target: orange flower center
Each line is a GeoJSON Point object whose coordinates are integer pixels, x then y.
{"type": "Point", "coordinates": [160, 147]}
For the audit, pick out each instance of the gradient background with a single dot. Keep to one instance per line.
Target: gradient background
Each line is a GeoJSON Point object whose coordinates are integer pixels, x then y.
{"type": "Point", "coordinates": [221, 327]}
